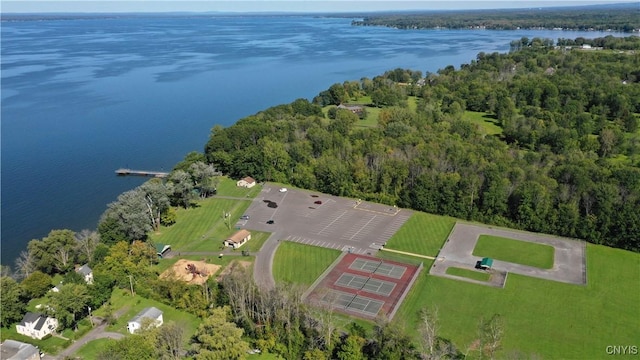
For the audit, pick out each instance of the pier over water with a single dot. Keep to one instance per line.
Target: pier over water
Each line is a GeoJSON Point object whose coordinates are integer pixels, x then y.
{"type": "Point", "coordinates": [125, 172]}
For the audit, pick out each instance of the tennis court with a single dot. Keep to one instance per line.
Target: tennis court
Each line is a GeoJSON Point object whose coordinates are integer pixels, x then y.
{"type": "Point", "coordinates": [378, 267]}
{"type": "Point", "coordinates": [367, 284]}
{"type": "Point", "coordinates": [351, 302]}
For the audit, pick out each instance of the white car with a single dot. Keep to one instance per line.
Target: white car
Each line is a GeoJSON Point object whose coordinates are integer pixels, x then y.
{"type": "Point", "coordinates": [283, 190]}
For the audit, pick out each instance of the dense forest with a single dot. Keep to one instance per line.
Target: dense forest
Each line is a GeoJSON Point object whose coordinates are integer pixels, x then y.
{"type": "Point", "coordinates": [565, 159]}
{"type": "Point", "coordinates": [623, 18]}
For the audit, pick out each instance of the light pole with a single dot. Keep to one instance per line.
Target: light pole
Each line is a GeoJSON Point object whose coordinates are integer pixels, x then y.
{"type": "Point", "coordinates": [90, 318]}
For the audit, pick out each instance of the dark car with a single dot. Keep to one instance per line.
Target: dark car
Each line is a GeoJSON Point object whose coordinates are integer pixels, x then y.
{"type": "Point", "coordinates": [244, 217]}
{"type": "Point", "coordinates": [318, 202]}
{"type": "Point", "coordinates": [270, 222]}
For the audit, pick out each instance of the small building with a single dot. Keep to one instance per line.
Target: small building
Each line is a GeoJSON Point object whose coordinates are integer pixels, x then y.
{"type": "Point", "coordinates": [86, 272]}
{"type": "Point", "coordinates": [36, 325]}
{"type": "Point", "coordinates": [148, 316]}
{"type": "Point", "coordinates": [356, 109]}
{"type": "Point", "coordinates": [162, 249]}
{"type": "Point", "coordinates": [486, 263]}
{"type": "Point", "coordinates": [247, 182]}
{"type": "Point", "coordinates": [238, 239]}
{"type": "Point", "coordinates": [16, 350]}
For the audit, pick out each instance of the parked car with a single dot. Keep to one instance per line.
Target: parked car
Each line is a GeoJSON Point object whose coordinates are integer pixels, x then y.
{"type": "Point", "coordinates": [270, 222]}
{"type": "Point", "coordinates": [318, 202]}
{"type": "Point", "coordinates": [283, 190]}
{"type": "Point", "coordinates": [244, 217]}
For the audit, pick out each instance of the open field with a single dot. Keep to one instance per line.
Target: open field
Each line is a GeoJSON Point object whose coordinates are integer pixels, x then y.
{"type": "Point", "coordinates": [90, 350]}
{"type": "Point", "coordinates": [488, 125]}
{"type": "Point", "coordinates": [568, 321]}
{"type": "Point", "coordinates": [227, 187]}
{"type": "Point", "coordinates": [301, 264]}
{"type": "Point", "coordinates": [422, 234]}
{"type": "Point", "coordinates": [515, 251]}
{"type": "Point", "coordinates": [471, 274]}
{"type": "Point", "coordinates": [121, 299]}
{"type": "Point", "coordinates": [201, 228]}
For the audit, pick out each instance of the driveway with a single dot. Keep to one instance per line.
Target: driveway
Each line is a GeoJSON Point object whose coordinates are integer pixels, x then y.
{"type": "Point", "coordinates": [96, 333]}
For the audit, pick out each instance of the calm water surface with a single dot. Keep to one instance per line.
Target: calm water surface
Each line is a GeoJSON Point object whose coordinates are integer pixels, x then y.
{"type": "Point", "coordinates": [83, 97]}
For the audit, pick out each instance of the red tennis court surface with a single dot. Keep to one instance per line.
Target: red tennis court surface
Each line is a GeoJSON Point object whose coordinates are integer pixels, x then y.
{"type": "Point", "coordinates": [364, 286]}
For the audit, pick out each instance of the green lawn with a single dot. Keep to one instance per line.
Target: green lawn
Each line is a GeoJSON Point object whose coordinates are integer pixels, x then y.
{"type": "Point", "coordinates": [228, 187]}
{"type": "Point", "coordinates": [515, 251]}
{"type": "Point", "coordinates": [201, 228]}
{"type": "Point", "coordinates": [121, 299]}
{"type": "Point", "coordinates": [90, 350]}
{"type": "Point", "coordinates": [301, 264]}
{"type": "Point", "coordinates": [422, 234]}
{"type": "Point", "coordinates": [487, 124]}
{"type": "Point", "coordinates": [470, 274]}
{"type": "Point", "coordinates": [52, 345]}
{"type": "Point", "coordinates": [566, 321]}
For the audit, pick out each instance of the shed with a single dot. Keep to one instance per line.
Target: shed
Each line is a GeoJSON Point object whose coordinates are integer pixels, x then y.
{"type": "Point", "coordinates": [162, 249]}
{"type": "Point", "coordinates": [152, 315]}
{"type": "Point", "coordinates": [238, 239]}
{"type": "Point", "coordinates": [486, 263]}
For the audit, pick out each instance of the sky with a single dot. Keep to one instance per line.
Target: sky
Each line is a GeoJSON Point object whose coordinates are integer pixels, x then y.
{"type": "Point", "coordinates": [33, 6]}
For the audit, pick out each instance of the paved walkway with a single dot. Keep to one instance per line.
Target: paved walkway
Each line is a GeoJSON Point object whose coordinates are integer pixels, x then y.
{"type": "Point", "coordinates": [263, 266]}
{"type": "Point", "coordinates": [408, 253]}
{"type": "Point", "coordinates": [96, 333]}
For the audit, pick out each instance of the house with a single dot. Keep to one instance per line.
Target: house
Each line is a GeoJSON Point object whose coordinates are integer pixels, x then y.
{"type": "Point", "coordinates": [353, 108]}
{"type": "Point", "coordinates": [162, 249]}
{"type": "Point", "coordinates": [16, 350]}
{"type": "Point", "coordinates": [86, 272]}
{"type": "Point", "coordinates": [238, 239]}
{"type": "Point", "coordinates": [150, 316]}
{"type": "Point", "coordinates": [247, 182]}
{"type": "Point", "coordinates": [36, 325]}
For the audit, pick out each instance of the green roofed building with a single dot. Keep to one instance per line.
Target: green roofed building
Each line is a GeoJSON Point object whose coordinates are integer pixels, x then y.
{"type": "Point", "coordinates": [486, 263]}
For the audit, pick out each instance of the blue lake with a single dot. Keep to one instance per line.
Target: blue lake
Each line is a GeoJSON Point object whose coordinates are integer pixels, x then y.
{"type": "Point", "coordinates": [83, 97]}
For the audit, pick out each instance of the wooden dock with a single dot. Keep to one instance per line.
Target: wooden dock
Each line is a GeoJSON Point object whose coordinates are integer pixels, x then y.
{"type": "Point", "coordinates": [125, 172]}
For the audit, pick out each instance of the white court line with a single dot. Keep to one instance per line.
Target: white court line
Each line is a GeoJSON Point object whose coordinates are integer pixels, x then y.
{"type": "Point", "coordinates": [363, 226]}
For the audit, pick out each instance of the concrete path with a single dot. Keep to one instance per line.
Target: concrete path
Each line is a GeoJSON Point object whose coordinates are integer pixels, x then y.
{"type": "Point", "coordinates": [263, 265]}
{"type": "Point", "coordinates": [408, 253]}
{"type": "Point", "coordinates": [569, 264]}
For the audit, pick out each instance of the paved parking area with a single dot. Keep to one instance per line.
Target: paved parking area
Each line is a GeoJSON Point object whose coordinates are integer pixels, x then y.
{"type": "Point", "coordinates": [569, 264]}
{"type": "Point", "coordinates": [337, 223]}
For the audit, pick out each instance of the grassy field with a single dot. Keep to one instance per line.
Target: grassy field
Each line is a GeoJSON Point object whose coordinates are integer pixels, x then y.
{"type": "Point", "coordinates": [201, 228]}
{"type": "Point", "coordinates": [566, 321]}
{"type": "Point", "coordinates": [488, 125]}
{"type": "Point", "coordinates": [469, 274]}
{"type": "Point", "coordinates": [90, 350]}
{"type": "Point", "coordinates": [422, 234]}
{"type": "Point", "coordinates": [120, 299]}
{"type": "Point", "coordinates": [515, 251]}
{"type": "Point", "coordinates": [227, 187]}
{"type": "Point", "coordinates": [300, 263]}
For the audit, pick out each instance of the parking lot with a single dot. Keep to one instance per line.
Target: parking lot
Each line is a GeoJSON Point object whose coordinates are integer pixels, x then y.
{"type": "Point", "coordinates": [324, 220]}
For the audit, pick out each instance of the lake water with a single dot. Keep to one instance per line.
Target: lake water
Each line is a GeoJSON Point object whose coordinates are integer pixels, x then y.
{"type": "Point", "coordinates": [83, 97]}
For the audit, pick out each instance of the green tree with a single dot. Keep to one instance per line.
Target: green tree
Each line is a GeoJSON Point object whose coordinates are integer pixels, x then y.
{"type": "Point", "coordinates": [72, 300]}
{"type": "Point", "coordinates": [55, 252]}
{"type": "Point", "coordinates": [13, 305]}
{"type": "Point", "coordinates": [36, 285]}
{"type": "Point", "coordinates": [351, 348]}
{"type": "Point", "coordinates": [219, 339]}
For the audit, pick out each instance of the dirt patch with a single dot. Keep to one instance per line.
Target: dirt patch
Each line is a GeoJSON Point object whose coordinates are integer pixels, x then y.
{"type": "Point", "coordinates": [182, 270]}
{"type": "Point", "coordinates": [227, 270]}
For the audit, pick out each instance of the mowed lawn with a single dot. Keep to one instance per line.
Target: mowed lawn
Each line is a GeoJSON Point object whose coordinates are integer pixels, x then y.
{"type": "Point", "coordinates": [422, 234]}
{"type": "Point", "coordinates": [548, 319]}
{"type": "Point", "coordinates": [228, 187]}
{"type": "Point", "coordinates": [202, 228]}
{"type": "Point", "coordinates": [470, 274]}
{"type": "Point", "coordinates": [90, 350]}
{"type": "Point", "coordinates": [487, 124]}
{"type": "Point", "coordinates": [515, 251]}
{"type": "Point", "coordinates": [300, 263]}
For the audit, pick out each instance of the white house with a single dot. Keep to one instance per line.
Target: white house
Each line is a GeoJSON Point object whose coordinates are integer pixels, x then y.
{"type": "Point", "coordinates": [152, 315]}
{"type": "Point", "coordinates": [247, 182]}
{"type": "Point", "coordinates": [16, 350]}
{"type": "Point", "coordinates": [238, 239]}
{"type": "Point", "coordinates": [86, 273]}
{"type": "Point", "coordinates": [36, 325]}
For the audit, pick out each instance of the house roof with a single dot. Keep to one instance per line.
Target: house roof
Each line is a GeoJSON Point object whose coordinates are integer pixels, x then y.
{"type": "Point", "coordinates": [249, 179]}
{"type": "Point", "coordinates": [84, 270]}
{"type": "Point", "coordinates": [150, 312]}
{"type": "Point", "coordinates": [238, 236]}
{"type": "Point", "coordinates": [11, 349]}
{"type": "Point", "coordinates": [161, 248]}
{"type": "Point", "coordinates": [37, 319]}
{"type": "Point", "coordinates": [487, 262]}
